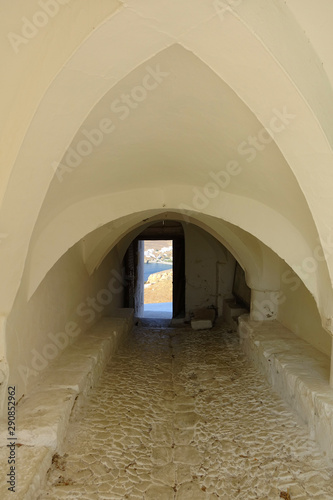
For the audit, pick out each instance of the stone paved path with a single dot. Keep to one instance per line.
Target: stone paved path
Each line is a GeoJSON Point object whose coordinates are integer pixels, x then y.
{"type": "Point", "coordinates": [182, 415]}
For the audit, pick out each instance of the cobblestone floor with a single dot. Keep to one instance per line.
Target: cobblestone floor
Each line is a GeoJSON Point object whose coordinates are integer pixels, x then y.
{"type": "Point", "coordinates": [182, 415]}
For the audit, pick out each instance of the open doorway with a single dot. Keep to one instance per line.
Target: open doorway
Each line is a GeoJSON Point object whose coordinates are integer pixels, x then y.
{"type": "Point", "coordinates": [158, 279]}
{"type": "Point", "coordinates": [159, 237]}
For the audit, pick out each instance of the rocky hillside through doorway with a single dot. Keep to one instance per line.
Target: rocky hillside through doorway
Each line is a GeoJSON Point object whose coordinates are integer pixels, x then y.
{"type": "Point", "coordinates": [158, 288]}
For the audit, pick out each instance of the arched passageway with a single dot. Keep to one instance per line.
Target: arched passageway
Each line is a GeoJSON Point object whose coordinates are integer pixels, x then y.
{"type": "Point", "coordinates": [182, 414]}
{"type": "Point", "coordinates": [87, 282]}
{"type": "Point", "coordinates": [176, 128]}
{"type": "Point", "coordinates": [217, 115]}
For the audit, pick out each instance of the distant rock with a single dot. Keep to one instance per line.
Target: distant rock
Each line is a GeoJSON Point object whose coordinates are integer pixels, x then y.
{"type": "Point", "coordinates": [159, 287]}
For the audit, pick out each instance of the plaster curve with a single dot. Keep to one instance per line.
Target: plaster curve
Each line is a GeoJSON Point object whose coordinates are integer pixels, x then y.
{"type": "Point", "coordinates": [95, 255]}
{"type": "Point", "coordinates": [52, 244]}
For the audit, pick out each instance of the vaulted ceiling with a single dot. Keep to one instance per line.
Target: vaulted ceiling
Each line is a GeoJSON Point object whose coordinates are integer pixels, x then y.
{"type": "Point", "coordinates": [113, 114]}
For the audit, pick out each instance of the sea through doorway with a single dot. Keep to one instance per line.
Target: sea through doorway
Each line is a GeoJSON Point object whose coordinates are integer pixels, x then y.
{"type": "Point", "coordinates": [158, 278]}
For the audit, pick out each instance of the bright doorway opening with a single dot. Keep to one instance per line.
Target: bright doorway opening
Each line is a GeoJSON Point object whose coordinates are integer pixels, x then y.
{"type": "Point", "coordinates": [158, 278]}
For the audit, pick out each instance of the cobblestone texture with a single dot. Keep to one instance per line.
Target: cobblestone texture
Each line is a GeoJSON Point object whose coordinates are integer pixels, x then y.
{"type": "Point", "coordinates": [182, 415]}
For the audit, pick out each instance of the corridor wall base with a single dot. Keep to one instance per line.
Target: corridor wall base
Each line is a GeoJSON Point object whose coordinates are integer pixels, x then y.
{"type": "Point", "coordinates": [44, 415]}
{"type": "Point", "coordinates": [297, 371]}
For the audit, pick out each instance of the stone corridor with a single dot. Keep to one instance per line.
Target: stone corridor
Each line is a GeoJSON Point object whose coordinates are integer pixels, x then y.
{"type": "Point", "coordinates": [182, 415]}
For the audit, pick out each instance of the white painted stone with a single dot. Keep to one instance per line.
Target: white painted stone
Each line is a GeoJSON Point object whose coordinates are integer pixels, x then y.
{"type": "Point", "coordinates": [201, 324]}
{"type": "Point", "coordinates": [203, 319]}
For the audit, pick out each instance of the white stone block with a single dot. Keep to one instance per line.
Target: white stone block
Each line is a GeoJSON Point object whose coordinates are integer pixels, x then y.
{"type": "Point", "coordinates": [201, 324]}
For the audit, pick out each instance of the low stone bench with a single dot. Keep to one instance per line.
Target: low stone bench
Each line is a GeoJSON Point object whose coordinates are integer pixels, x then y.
{"type": "Point", "coordinates": [43, 416]}
{"type": "Point", "coordinates": [297, 371]}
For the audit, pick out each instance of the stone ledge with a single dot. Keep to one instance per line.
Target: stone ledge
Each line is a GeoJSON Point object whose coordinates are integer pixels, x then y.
{"type": "Point", "coordinates": [298, 372]}
{"type": "Point", "coordinates": [36, 462]}
{"type": "Point", "coordinates": [43, 416]}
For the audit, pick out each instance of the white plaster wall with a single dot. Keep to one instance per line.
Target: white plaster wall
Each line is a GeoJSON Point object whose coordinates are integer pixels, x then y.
{"type": "Point", "coordinates": [202, 253]}
{"type": "Point", "coordinates": [33, 57]}
{"type": "Point", "coordinates": [66, 303]}
{"type": "Point", "coordinates": [298, 312]}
